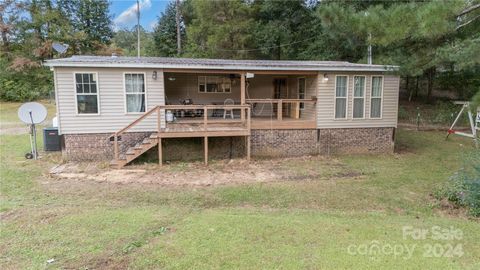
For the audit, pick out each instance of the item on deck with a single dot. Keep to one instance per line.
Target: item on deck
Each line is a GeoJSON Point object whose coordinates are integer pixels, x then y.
{"type": "Point", "coordinates": [169, 116]}
{"type": "Point", "coordinates": [186, 112]}
{"type": "Point", "coordinates": [228, 102]}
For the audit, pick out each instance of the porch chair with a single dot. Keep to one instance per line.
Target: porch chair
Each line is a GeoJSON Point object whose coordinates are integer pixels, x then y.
{"type": "Point", "coordinates": [228, 102]}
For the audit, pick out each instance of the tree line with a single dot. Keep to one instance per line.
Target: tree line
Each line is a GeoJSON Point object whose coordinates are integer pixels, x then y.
{"type": "Point", "coordinates": [436, 43]}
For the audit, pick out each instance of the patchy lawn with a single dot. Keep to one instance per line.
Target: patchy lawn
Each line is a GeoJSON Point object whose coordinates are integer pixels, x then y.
{"type": "Point", "coordinates": [314, 213]}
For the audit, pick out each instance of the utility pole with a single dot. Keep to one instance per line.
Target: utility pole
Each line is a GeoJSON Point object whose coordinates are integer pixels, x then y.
{"type": "Point", "coordinates": [138, 28]}
{"type": "Point", "coordinates": [177, 20]}
{"type": "Point", "coordinates": [369, 48]}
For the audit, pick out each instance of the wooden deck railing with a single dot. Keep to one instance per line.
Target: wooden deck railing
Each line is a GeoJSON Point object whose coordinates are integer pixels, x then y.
{"type": "Point", "coordinates": [245, 118]}
{"type": "Point", "coordinates": [280, 103]}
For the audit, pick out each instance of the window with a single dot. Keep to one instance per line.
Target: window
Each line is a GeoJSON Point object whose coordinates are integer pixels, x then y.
{"type": "Point", "coordinates": [302, 86]}
{"type": "Point", "coordinates": [135, 92]}
{"type": "Point", "coordinates": [87, 93]}
{"type": "Point", "coordinates": [214, 84]}
{"type": "Point", "coordinates": [376, 97]}
{"type": "Point", "coordinates": [358, 96]}
{"type": "Point", "coordinates": [341, 91]}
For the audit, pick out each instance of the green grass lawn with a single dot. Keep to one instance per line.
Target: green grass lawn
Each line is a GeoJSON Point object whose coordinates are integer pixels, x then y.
{"type": "Point", "coordinates": [311, 223]}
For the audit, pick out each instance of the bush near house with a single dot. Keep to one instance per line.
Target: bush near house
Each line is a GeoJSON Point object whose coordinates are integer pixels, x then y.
{"type": "Point", "coordinates": [463, 189]}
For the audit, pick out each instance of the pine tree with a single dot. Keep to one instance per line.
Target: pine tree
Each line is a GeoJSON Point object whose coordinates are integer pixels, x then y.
{"type": "Point", "coordinates": [165, 33]}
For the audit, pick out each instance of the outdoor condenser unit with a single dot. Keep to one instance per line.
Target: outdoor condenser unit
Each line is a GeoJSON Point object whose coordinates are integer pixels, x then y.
{"type": "Point", "coordinates": [51, 139]}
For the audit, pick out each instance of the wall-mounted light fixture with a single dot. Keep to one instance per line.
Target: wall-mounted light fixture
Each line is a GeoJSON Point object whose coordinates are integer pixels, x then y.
{"type": "Point", "coordinates": [171, 78]}
{"type": "Point", "coordinates": [325, 77]}
{"type": "Point", "coordinates": [154, 75]}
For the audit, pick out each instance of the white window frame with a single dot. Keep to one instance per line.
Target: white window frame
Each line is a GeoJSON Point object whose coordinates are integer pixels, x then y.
{"type": "Point", "coordinates": [335, 97]}
{"type": "Point", "coordinates": [76, 94]}
{"type": "Point", "coordinates": [205, 83]}
{"type": "Point", "coordinates": [302, 104]}
{"type": "Point", "coordinates": [381, 97]}
{"type": "Point", "coordinates": [364, 96]}
{"type": "Point", "coordinates": [125, 91]}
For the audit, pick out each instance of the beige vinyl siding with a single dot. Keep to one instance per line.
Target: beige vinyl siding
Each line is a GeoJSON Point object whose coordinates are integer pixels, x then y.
{"type": "Point", "coordinates": [326, 102]}
{"type": "Point", "coordinates": [112, 112]}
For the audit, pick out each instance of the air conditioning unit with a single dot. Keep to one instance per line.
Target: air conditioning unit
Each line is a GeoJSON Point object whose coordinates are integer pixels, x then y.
{"type": "Point", "coordinates": [51, 139]}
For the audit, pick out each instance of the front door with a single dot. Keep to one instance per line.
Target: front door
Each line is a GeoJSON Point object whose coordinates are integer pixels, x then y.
{"type": "Point", "coordinates": [280, 91]}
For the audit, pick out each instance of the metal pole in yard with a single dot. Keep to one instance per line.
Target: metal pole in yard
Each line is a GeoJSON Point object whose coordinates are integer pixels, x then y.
{"type": "Point", "coordinates": [138, 28]}
{"type": "Point", "coordinates": [177, 22]}
{"type": "Point", "coordinates": [418, 118]}
{"type": "Point", "coordinates": [369, 49]}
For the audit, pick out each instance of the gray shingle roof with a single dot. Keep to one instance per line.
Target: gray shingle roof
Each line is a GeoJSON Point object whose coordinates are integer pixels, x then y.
{"type": "Point", "coordinates": [224, 64]}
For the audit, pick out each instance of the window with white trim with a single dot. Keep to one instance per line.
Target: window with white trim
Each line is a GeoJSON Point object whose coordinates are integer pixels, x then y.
{"type": "Point", "coordinates": [86, 89]}
{"type": "Point", "coordinates": [341, 91]}
{"type": "Point", "coordinates": [376, 97]}
{"type": "Point", "coordinates": [135, 92]}
{"type": "Point", "coordinates": [214, 84]}
{"type": "Point", "coordinates": [358, 96]}
{"type": "Point", "coordinates": [302, 88]}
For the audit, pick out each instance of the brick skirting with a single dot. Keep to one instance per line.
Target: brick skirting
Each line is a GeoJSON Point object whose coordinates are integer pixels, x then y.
{"type": "Point", "coordinates": [97, 146]}
{"type": "Point", "coordinates": [273, 143]}
{"type": "Point", "coordinates": [284, 142]}
{"type": "Point", "coordinates": [355, 140]}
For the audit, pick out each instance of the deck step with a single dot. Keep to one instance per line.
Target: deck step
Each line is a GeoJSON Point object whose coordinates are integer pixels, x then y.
{"type": "Point", "coordinates": [135, 151]}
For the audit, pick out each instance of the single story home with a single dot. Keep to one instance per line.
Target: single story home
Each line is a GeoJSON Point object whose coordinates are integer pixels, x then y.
{"type": "Point", "coordinates": [118, 108]}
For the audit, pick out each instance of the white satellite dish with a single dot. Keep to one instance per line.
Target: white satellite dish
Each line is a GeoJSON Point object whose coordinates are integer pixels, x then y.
{"type": "Point", "coordinates": [32, 113]}
{"type": "Point", "coordinates": [59, 47]}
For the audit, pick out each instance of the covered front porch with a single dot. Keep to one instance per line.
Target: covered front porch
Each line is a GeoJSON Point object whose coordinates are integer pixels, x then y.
{"type": "Point", "coordinates": [278, 99]}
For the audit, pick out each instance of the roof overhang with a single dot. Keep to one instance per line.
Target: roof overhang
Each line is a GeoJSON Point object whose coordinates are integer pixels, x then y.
{"type": "Point", "coordinates": [239, 67]}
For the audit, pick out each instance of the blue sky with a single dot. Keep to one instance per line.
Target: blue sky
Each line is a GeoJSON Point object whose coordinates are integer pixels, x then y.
{"type": "Point", "coordinates": [124, 13]}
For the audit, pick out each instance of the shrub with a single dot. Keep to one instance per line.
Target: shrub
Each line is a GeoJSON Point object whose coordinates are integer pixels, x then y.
{"type": "Point", "coordinates": [463, 188]}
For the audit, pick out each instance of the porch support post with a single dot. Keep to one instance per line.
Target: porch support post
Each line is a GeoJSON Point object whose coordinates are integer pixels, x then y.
{"type": "Point", "coordinates": [242, 88]}
{"type": "Point", "coordinates": [205, 150]}
{"type": "Point", "coordinates": [160, 155]}
{"type": "Point", "coordinates": [248, 147]}
{"type": "Point", "coordinates": [279, 110]}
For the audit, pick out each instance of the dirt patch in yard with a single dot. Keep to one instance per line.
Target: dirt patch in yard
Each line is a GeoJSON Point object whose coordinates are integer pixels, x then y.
{"type": "Point", "coordinates": [236, 171]}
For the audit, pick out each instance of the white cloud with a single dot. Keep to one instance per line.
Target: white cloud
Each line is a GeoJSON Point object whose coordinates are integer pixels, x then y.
{"type": "Point", "coordinates": [130, 14]}
{"type": "Point", "coordinates": [153, 24]}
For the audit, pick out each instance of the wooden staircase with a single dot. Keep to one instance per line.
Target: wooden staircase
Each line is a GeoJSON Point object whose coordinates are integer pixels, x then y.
{"type": "Point", "coordinates": [135, 151]}
{"type": "Point", "coordinates": [195, 130]}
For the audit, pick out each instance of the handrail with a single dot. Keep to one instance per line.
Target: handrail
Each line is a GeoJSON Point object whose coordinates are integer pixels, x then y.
{"type": "Point", "coordinates": [280, 103]}
{"type": "Point", "coordinates": [203, 106]}
{"type": "Point", "coordinates": [158, 108]}
{"type": "Point", "coordinates": [274, 100]}
{"type": "Point", "coordinates": [136, 121]}
{"type": "Point", "coordinates": [121, 131]}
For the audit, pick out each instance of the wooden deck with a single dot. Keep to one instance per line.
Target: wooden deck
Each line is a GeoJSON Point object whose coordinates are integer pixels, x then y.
{"type": "Point", "coordinates": [205, 124]}
{"type": "Point", "coordinates": [183, 129]}
{"type": "Point", "coordinates": [285, 123]}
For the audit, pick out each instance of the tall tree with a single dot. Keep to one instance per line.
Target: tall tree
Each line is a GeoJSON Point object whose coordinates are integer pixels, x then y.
{"type": "Point", "coordinates": [283, 29]}
{"type": "Point", "coordinates": [91, 23]}
{"type": "Point", "coordinates": [219, 29]}
{"type": "Point", "coordinates": [165, 32]}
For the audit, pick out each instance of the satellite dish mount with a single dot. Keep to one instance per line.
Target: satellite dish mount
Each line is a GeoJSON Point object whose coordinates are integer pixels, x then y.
{"type": "Point", "coordinates": [32, 113]}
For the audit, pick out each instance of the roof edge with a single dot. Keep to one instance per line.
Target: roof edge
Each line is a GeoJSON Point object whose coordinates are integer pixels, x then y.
{"type": "Point", "coordinates": [379, 68]}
